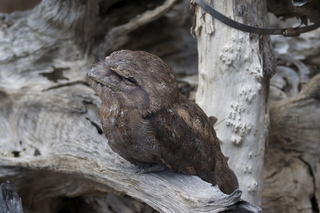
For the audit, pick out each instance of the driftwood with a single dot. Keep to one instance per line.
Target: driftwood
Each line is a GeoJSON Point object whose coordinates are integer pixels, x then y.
{"type": "Point", "coordinates": [295, 8]}
{"type": "Point", "coordinates": [52, 147]}
{"type": "Point", "coordinates": [51, 143]}
{"type": "Point", "coordinates": [291, 174]}
{"type": "Point", "coordinates": [9, 199]}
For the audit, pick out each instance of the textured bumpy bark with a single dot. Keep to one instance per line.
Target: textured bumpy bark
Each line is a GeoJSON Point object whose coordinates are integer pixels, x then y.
{"type": "Point", "coordinates": [52, 148]}
{"type": "Point", "coordinates": [234, 72]}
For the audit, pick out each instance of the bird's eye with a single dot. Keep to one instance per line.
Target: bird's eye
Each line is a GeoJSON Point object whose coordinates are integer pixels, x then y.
{"type": "Point", "coordinates": [129, 80]}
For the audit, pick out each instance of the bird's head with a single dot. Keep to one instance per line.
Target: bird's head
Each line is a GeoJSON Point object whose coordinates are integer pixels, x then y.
{"type": "Point", "coordinates": [137, 79]}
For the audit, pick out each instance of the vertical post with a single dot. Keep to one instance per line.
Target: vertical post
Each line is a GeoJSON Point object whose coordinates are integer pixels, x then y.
{"type": "Point", "coordinates": [234, 69]}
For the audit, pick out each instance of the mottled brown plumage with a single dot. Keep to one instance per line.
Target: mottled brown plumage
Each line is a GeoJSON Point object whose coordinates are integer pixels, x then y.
{"type": "Point", "coordinates": [149, 123]}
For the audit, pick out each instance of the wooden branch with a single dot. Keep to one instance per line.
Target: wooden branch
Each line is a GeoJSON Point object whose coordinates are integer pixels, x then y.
{"type": "Point", "coordinates": [291, 174]}
{"type": "Point", "coordinates": [9, 199]}
{"type": "Point", "coordinates": [288, 185]}
{"type": "Point", "coordinates": [51, 143]}
{"type": "Point", "coordinates": [291, 126]}
{"type": "Point", "coordinates": [288, 9]}
{"type": "Point", "coordinates": [116, 36]}
{"type": "Point", "coordinates": [65, 147]}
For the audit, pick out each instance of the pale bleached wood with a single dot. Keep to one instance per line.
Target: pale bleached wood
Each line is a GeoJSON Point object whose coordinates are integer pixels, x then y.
{"type": "Point", "coordinates": [291, 176]}
{"type": "Point", "coordinates": [234, 69]}
{"type": "Point", "coordinates": [292, 163]}
{"type": "Point", "coordinates": [62, 154]}
{"type": "Point", "coordinates": [10, 202]}
{"type": "Point", "coordinates": [288, 185]}
{"type": "Point", "coordinates": [116, 37]}
{"type": "Point", "coordinates": [51, 144]}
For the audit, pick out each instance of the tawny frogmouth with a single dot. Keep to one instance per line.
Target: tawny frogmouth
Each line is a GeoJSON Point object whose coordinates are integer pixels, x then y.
{"type": "Point", "coordinates": [149, 123]}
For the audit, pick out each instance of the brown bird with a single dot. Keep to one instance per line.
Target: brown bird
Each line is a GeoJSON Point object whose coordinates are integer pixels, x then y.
{"type": "Point", "coordinates": [149, 123]}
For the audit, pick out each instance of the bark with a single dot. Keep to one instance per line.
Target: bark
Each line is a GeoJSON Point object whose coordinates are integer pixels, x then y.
{"type": "Point", "coordinates": [52, 147]}
{"type": "Point", "coordinates": [234, 71]}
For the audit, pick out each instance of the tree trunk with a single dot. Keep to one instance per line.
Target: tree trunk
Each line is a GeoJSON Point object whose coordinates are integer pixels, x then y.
{"type": "Point", "coordinates": [234, 72]}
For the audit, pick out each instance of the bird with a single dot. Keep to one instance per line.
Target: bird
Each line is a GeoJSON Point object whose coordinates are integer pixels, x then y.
{"type": "Point", "coordinates": [149, 123]}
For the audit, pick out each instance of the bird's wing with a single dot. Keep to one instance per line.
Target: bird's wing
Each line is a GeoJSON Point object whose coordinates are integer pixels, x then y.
{"type": "Point", "coordinates": [188, 140]}
{"type": "Point", "coordinates": [188, 144]}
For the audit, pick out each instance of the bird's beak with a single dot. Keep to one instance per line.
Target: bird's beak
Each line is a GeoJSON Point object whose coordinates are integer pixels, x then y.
{"type": "Point", "coordinates": [104, 80]}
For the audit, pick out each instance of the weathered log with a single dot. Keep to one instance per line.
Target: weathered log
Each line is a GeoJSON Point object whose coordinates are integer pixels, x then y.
{"type": "Point", "coordinates": [115, 38]}
{"type": "Point", "coordinates": [51, 143]}
{"type": "Point", "coordinates": [63, 153]}
{"type": "Point", "coordinates": [291, 173]}
{"type": "Point", "coordinates": [295, 8]}
{"type": "Point", "coordinates": [9, 200]}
